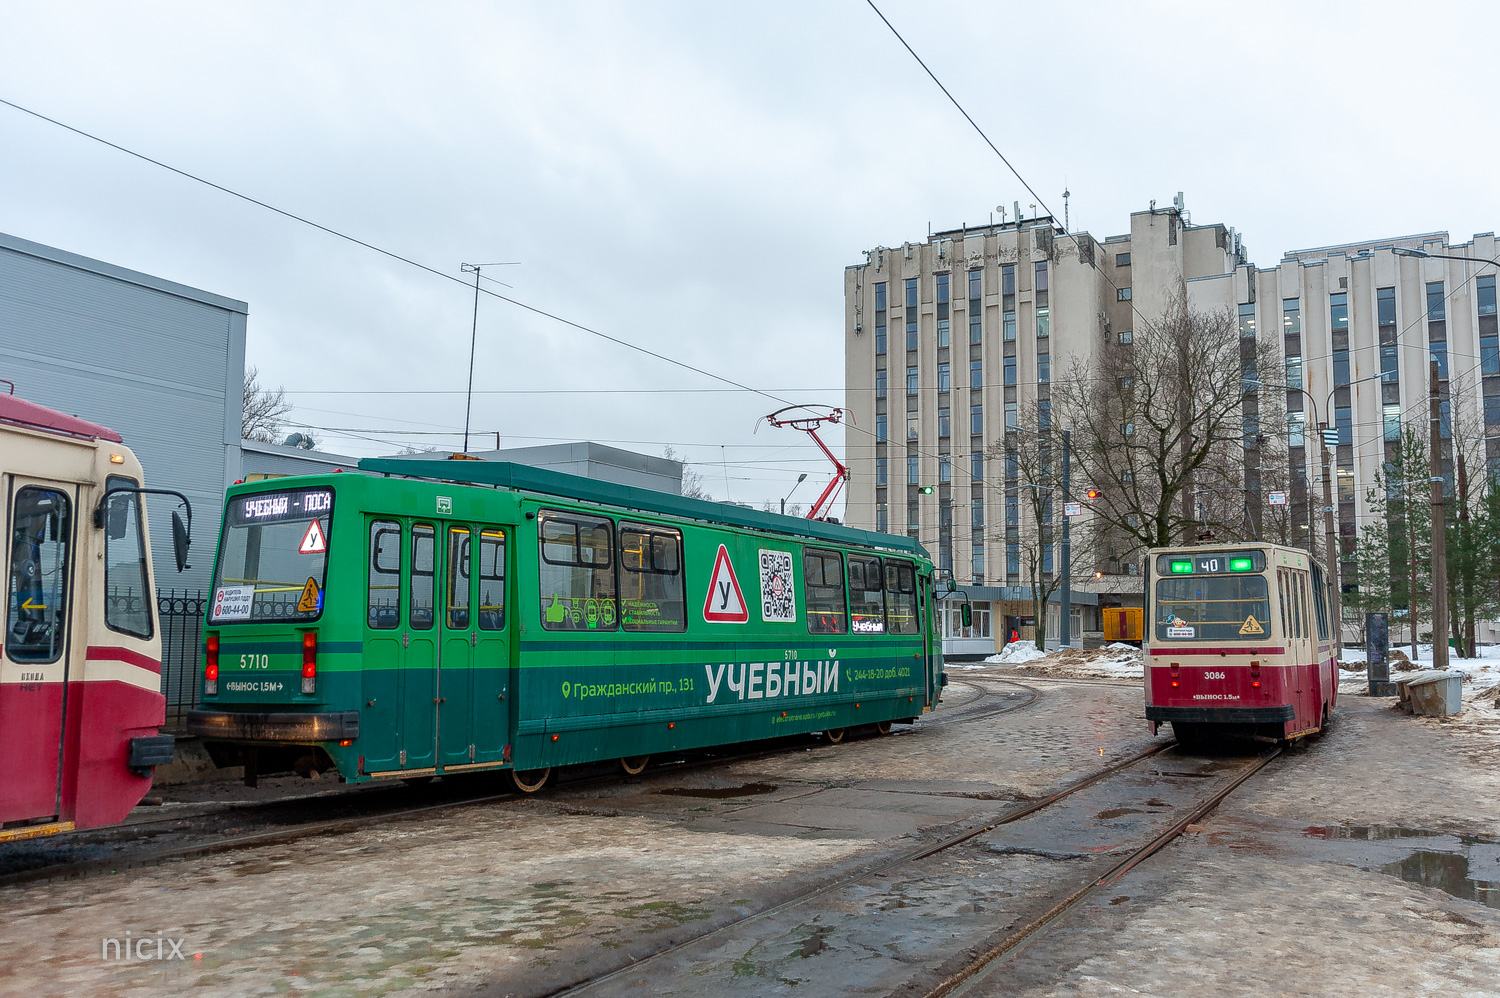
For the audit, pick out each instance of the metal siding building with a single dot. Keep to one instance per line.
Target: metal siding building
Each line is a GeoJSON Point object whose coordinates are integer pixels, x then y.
{"type": "Point", "coordinates": [160, 363]}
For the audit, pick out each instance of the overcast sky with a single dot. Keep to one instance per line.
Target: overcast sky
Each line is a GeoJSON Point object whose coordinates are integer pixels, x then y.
{"type": "Point", "coordinates": [690, 177]}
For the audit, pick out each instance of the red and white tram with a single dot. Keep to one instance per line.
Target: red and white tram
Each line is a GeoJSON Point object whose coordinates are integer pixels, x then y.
{"type": "Point", "coordinates": [1240, 642]}
{"type": "Point", "coordinates": [80, 658]}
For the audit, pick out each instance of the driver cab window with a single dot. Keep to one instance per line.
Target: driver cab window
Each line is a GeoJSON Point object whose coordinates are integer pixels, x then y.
{"type": "Point", "coordinates": [37, 614]}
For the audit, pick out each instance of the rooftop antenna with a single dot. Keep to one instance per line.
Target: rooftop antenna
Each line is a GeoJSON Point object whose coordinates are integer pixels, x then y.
{"type": "Point", "coordinates": [1066, 194]}
{"type": "Point", "coordinates": [1001, 209]}
{"type": "Point", "coordinates": [474, 268]}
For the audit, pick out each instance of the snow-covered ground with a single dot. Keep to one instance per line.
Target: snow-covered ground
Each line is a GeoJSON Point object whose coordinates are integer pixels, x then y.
{"type": "Point", "coordinates": [1119, 661]}
{"type": "Point", "coordinates": [1482, 671]}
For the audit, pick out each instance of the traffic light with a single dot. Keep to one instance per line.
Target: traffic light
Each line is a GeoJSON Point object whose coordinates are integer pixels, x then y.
{"type": "Point", "coordinates": [966, 613]}
{"type": "Point", "coordinates": [1092, 493]}
{"type": "Point", "coordinates": [926, 490]}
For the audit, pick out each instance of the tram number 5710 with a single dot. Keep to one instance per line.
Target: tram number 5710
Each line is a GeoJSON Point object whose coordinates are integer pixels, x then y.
{"type": "Point", "coordinates": [255, 661]}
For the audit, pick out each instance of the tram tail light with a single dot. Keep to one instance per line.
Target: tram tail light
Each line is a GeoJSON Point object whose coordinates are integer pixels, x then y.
{"type": "Point", "coordinates": [211, 665]}
{"type": "Point", "coordinates": [310, 662]}
{"type": "Point", "coordinates": [1255, 675]}
{"type": "Point", "coordinates": [1175, 683]}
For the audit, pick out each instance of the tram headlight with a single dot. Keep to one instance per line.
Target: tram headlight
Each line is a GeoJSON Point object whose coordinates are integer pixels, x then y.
{"type": "Point", "coordinates": [211, 665]}
{"type": "Point", "coordinates": [310, 662]}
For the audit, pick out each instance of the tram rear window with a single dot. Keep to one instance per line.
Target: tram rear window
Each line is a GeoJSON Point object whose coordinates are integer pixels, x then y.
{"type": "Point", "coordinates": [1215, 608]}
{"type": "Point", "coordinates": [273, 557]}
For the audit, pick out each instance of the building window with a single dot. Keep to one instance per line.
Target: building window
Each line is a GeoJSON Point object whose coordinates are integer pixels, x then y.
{"type": "Point", "coordinates": [944, 422]}
{"type": "Point", "coordinates": [882, 517]}
{"type": "Point", "coordinates": [880, 296]}
{"type": "Point", "coordinates": [976, 466]}
{"type": "Point", "coordinates": [1043, 368]}
{"type": "Point", "coordinates": [1122, 259]}
{"type": "Point", "coordinates": [1122, 294]}
{"type": "Point", "coordinates": [1011, 420]}
{"type": "Point", "coordinates": [1247, 321]}
{"type": "Point", "coordinates": [978, 516]}
{"type": "Point", "coordinates": [1125, 336]}
{"type": "Point", "coordinates": [1043, 321]}
{"type": "Point", "coordinates": [1044, 414]}
{"type": "Point", "coordinates": [1435, 308]}
{"type": "Point", "coordinates": [911, 294]}
{"type": "Point", "coordinates": [880, 384]}
{"type": "Point", "coordinates": [1338, 312]}
{"type": "Point", "coordinates": [1492, 418]}
{"type": "Point", "coordinates": [1012, 508]}
{"type": "Point", "coordinates": [1389, 372]}
{"type": "Point", "coordinates": [1440, 357]}
{"type": "Point", "coordinates": [945, 468]}
{"type": "Point", "coordinates": [911, 426]}
{"type": "Point", "coordinates": [1127, 429]}
{"type": "Point", "coordinates": [1012, 557]}
{"type": "Point", "coordinates": [1008, 327]}
{"type": "Point", "coordinates": [976, 419]}
{"type": "Point", "coordinates": [1489, 354]}
{"type": "Point", "coordinates": [1342, 419]}
{"type": "Point", "coordinates": [1291, 316]}
{"type": "Point", "coordinates": [1010, 372]}
{"type": "Point", "coordinates": [1341, 366]}
{"type": "Point", "coordinates": [976, 374]}
{"type": "Point", "coordinates": [1385, 306]}
{"type": "Point", "coordinates": [880, 471]}
{"type": "Point", "coordinates": [911, 381]}
{"type": "Point", "coordinates": [1296, 425]}
{"type": "Point", "coordinates": [1012, 466]}
{"type": "Point", "coordinates": [1392, 419]}
{"type": "Point", "coordinates": [913, 516]}
{"type": "Point", "coordinates": [978, 564]}
{"type": "Point", "coordinates": [912, 471]}
{"type": "Point", "coordinates": [1046, 559]}
{"type": "Point", "coordinates": [880, 425]}
{"type": "Point", "coordinates": [1041, 278]}
{"type": "Point", "coordinates": [976, 306]}
{"type": "Point", "coordinates": [1445, 419]}
{"type": "Point", "coordinates": [911, 330]}
{"type": "Point", "coordinates": [1008, 301]}
{"type": "Point", "coordinates": [944, 381]}
{"type": "Point", "coordinates": [1484, 290]}
{"type": "Point", "coordinates": [942, 308]}
{"type": "Point", "coordinates": [880, 318]}
{"type": "Point", "coordinates": [1294, 372]}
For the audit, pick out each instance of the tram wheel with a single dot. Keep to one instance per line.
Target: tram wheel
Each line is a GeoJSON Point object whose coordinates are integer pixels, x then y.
{"type": "Point", "coordinates": [882, 727]}
{"type": "Point", "coordinates": [634, 765]}
{"type": "Point", "coordinates": [531, 780]}
{"type": "Point", "coordinates": [834, 735]}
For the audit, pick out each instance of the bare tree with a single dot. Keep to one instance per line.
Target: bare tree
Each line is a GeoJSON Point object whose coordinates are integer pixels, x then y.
{"type": "Point", "coordinates": [692, 482]}
{"type": "Point", "coordinates": [1160, 427]}
{"type": "Point", "coordinates": [264, 409]}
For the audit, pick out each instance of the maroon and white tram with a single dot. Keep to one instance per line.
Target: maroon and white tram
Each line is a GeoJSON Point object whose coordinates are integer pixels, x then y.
{"type": "Point", "coordinates": [1240, 642]}
{"type": "Point", "coordinates": [81, 706]}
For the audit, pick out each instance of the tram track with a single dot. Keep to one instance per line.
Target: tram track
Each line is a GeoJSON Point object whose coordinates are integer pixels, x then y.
{"type": "Point", "coordinates": [395, 800]}
{"type": "Point", "coordinates": [953, 981]}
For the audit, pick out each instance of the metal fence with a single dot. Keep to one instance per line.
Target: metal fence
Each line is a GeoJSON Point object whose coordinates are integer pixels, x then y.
{"type": "Point", "coordinates": [181, 615]}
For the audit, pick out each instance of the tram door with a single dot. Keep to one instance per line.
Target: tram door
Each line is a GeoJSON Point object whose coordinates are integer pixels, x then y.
{"type": "Point", "coordinates": [387, 636]}
{"type": "Point", "coordinates": [474, 663]}
{"type": "Point", "coordinates": [40, 552]}
{"type": "Point", "coordinates": [419, 678]}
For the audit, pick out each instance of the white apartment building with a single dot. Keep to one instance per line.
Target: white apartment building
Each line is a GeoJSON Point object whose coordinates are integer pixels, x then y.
{"type": "Point", "coordinates": [947, 339]}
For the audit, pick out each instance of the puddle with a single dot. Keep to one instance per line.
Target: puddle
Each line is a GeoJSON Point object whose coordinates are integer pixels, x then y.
{"type": "Point", "coordinates": [1448, 872]}
{"type": "Point", "coordinates": [720, 793]}
{"type": "Point", "coordinates": [1116, 812]}
{"type": "Point", "coordinates": [1373, 833]}
{"type": "Point", "coordinates": [814, 943]}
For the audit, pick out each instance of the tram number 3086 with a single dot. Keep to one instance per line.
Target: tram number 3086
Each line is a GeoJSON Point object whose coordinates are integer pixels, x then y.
{"type": "Point", "coordinates": [255, 661]}
{"type": "Point", "coordinates": [1213, 675]}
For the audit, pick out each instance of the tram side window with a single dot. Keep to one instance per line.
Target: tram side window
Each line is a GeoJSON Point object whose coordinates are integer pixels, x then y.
{"type": "Point", "coordinates": [458, 578]}
{"type": "Point", "coordinates": [491, 579]}
{"type": "Point", "coordinates": [651, 593]}
{"type": "Point", "coordinates": [1320, 605]}
{"type": "Point", "coordinates": [127, 591]}
{"type": "Point", "coordinates": [41, 534]}
{"type": "Point", "coordinates": [866, 595]}
{"type": "Point", "coordinates": [823, 591]}
{"type": "Point", "coordinates": [901, 584]}
{"type": "Point", "coordinates": [577, 572]}
{"type": "Point", "coordinates": [1299, 606]}
{"type": "Point", "coordinates": [383, 607]}
{"type": "Point", "coordinates": [423, 582]}
{"type": "Point", "coordinates": [1286, 601]}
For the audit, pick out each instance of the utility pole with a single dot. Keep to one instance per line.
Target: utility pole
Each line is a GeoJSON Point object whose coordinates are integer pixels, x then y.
{"type": "Point", "coordinates": [1439, 538]}
{"type": "Point", "coordinates": [1335, 556]}
{"type": "Point", "coordinates": [474, 268]}
{"type": "Point", "coordinates": [1067, 545]}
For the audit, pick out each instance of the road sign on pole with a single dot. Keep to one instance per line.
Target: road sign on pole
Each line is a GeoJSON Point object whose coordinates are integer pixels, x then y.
{"type": "Point", "coordinates": [1072, 509]}
{"type": "Point", "coordinates": [1331, 437]}
{"type": "Point", "coordinates": [1276, 498]}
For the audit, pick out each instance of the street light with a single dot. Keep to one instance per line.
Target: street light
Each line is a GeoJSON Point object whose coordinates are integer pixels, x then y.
{"type": "Point", "coordinates": [800, 479]}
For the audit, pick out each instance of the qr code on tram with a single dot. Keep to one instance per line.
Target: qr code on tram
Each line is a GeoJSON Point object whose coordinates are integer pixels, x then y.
{"type": "Point", "coordinates": [777, 602]}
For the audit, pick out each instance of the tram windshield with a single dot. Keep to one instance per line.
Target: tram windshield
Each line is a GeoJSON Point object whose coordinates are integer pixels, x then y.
{"type": "Point", "coordinates": [1212, 607]}
{"type": "Point", "coordinates": [273, 557]}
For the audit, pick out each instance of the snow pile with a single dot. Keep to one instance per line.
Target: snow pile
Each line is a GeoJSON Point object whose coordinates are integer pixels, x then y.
{"type": "Point", "coordinates": [1114, 661]}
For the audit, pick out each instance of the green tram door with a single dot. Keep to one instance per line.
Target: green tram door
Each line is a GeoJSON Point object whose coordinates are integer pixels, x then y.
{"type": "Point", "coordinates": [437, 650]}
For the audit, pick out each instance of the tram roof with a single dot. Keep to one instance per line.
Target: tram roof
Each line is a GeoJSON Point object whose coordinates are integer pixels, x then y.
{"type": "Point", "coordinates": [524, 478]}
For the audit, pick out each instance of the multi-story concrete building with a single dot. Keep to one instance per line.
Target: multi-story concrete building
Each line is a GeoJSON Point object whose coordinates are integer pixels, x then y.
{"type": "Point", "coordinates": [948, 341]}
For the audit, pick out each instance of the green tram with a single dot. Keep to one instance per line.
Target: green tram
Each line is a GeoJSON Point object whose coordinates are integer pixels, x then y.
{"type": "Point", "coordinates": [433, 617]}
